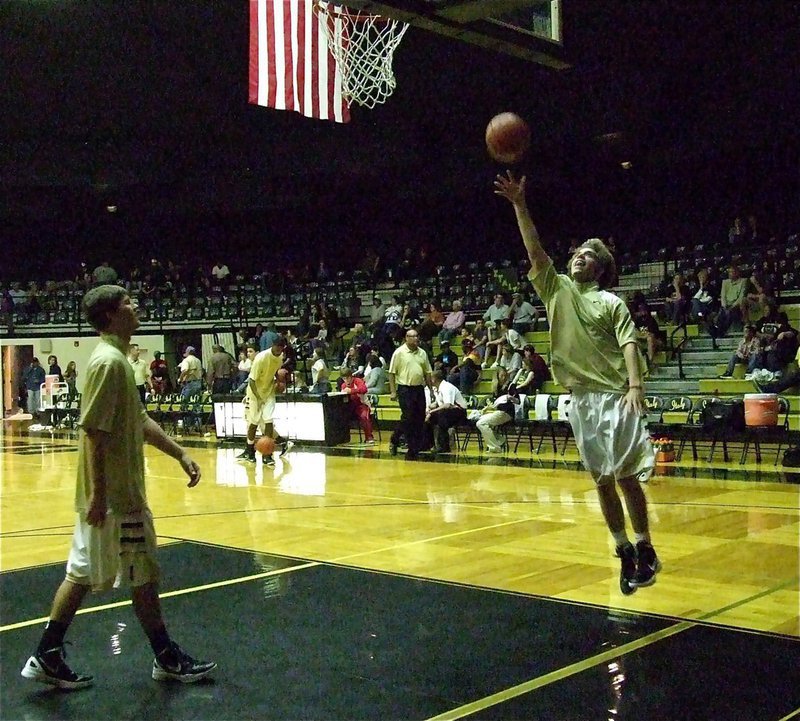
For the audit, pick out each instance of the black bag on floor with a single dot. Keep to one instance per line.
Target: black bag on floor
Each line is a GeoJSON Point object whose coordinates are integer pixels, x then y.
{"type": "Point", "coordinates": [723, 415]}
{"type": "Point", "coordinates": [791, 457]}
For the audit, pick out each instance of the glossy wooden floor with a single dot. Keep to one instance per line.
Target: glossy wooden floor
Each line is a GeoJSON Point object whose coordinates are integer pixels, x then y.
{"type": "Point", "coordinates": [730, 548]}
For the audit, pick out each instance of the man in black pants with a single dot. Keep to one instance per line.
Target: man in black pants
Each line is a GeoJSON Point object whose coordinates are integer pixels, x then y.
{"type": "Point", "coordinates": [447, 410]}
{"type": "Point", "coordinates": [409, 373]}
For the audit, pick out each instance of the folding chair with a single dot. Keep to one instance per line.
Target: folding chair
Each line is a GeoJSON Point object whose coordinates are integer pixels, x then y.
{"type": "Point", "coordinates": [768, 434]}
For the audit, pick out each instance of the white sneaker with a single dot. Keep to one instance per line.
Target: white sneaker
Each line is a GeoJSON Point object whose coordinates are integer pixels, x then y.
{"type": "Point", "coordinates": [287, 446]}
{"type": "Point", "coordinates": [370, 442]}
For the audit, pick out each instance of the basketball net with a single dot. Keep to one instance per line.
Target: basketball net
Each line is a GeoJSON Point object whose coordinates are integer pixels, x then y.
{"type": "Point", "coordinates": [363, 46]}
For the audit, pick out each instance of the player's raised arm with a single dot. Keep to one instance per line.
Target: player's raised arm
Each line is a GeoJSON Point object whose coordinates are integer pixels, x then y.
{"type": "Point", "coordinates": [513, 190]}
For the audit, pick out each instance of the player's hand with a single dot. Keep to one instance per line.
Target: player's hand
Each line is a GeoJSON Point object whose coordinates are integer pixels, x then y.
{"type": "Point", "coordinates": [508, 187]}
{"type": "Point", "coordinates": [393, 396]}
{"type": "Point", "coordinates": [98, 508]}
{"type": "Point", "coordinates": [634, 401]}
{"type": "Point", "coordinates": [191, 469]}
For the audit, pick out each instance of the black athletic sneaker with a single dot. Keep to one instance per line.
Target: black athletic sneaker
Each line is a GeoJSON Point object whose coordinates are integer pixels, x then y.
{"type": "Point", "coordinates": [51, 668]}
{"type": "Point", "coordinates": [287, 446]}
{"type": "Point", "coordinates": [647, 565]}
{"type": "Point", "coordinates": [627, 555]}
{"type": "Point", "coordinates": [177, 665]}
{"type": "Point", "coordinates": [248, 454]}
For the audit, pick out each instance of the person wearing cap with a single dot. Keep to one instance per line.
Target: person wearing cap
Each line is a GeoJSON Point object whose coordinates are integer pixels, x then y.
{"type": "Point", "coordinates": [159, 374]}
{"type": "Point", "coordinates": [524, 316]}
{"type": "Point", "coordinates": [447, 357]}
{"type": "Point", "coordinates": [191, 377]}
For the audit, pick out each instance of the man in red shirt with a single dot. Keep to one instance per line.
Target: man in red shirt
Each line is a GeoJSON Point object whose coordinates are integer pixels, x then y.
{"type": "Point", "coordinates": [357, 389]}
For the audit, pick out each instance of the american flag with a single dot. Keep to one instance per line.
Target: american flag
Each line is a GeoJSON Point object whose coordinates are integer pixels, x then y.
{"type": "Point", "coordinates": [291, 67]}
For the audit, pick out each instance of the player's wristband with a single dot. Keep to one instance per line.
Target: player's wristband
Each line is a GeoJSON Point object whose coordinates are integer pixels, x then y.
{"type": "Point", "coordinates": [632, 387]}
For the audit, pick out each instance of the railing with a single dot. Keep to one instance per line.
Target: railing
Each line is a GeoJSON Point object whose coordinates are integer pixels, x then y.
{"type": "Point", "coordinates": [676, 349]}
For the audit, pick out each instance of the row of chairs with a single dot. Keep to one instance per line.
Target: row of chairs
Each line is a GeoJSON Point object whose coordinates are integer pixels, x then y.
{"type": "Point", "coordinates": [687, 425]}
{"type": "Point", "coordinates": [174, 412]}
{"type": "Point", "coordinates": [678, 417]}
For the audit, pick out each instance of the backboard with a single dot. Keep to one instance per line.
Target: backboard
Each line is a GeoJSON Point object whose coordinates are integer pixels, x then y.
{"type": "Point", "coordinates": [528, 29]}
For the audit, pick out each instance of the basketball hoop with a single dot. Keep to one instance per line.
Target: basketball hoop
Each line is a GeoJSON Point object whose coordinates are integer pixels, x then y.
{"type": "Point", "coordinates": [363, 46]}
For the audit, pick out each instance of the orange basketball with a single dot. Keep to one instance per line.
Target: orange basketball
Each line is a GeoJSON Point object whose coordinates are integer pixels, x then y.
{"type": "Point", "coordinates": [265, 445]}
{"type": "Point", "coordinates": [282, 380]}
{"type": "Point", "coordinates": [508, 138]}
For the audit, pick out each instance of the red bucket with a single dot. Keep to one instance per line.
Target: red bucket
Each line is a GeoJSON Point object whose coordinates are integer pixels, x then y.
{"type": "Point", "coordinates": [761, 409]}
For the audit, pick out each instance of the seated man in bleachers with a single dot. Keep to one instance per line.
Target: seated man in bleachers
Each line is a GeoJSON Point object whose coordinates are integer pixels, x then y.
{"type": "Point", "coordinates": [524, 316]}
{"type": "Point", "coordinates": [357, 389]}
{"type": "Point", "coordinates": [505, 334]}
{"type": "Point", "coordinates": [448, 410]}
{"type": "Point", "coordinates": [732, 298]}
{"type": "Point", "coordinates": [496, 312]}
{"type": "Point", "coordinates": [447, 357]}
{"type": "Point", "coordinates": [779, 340]}
{"type": "Point", "coordinates": [790, 378]}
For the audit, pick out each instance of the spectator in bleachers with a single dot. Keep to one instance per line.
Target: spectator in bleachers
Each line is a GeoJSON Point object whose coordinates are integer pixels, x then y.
{"type": "Point", "coordinates": [756, 301]}
{"type": "Point", "coordinates": [704, 299]}
{"type": "Point", "coordinates": [220, 273]}
{"type": "Point", "coordinates": [509, 361]}
{"type": "Point", "coordinates": [737, 234]}
{"type": "Point", "coordinates": [541, 373]}
{"type": "Point", "coordinates": [410, 318]}
{"type": "Point", "coordinates": [447, 356]}
{"type": "Point", "coordinates": [496, 312]}
{"type": "Point", "coordinates": [159, 374]}
{"type": "Point", "coordinates": [524, 316]}
{"type": "Point", "coordinates": [453, 322]}
{"type": "Point", "coordinates": [321, 339]}
{"type": "Point", "coordinates": [431, 325]}
{"type": "Point", "coordinates": [376, 314]}
{"type": "Point", "coordinates": [465, 374]}
{"type": "Point", "coordinates": [392, 319]}
{"type": "Point", "coordinates": [779, 341]}
{"type": "Point", "coordinates": [648, 326]}
{"type": "Point", "coordinates": [351, 362]}
{"type": "Point", "coordinates": [678, 303]}
{"type": "Point", "coordinates": [504, 334]}
{"type": "Point", "coordinates": [747, 353]}
{"type": "Point", "coordinates": [375, 374]}
{"type": "Point", "coordinates": [732, 296]}
{"type": "Point", "coordinates": [319, 366]}
{"type": "Point", "coordinates": [790, 378]}
{"type": "Point", "coordinates": [33, 377]}
{"type": "Point", "coordinates": [104, 274]}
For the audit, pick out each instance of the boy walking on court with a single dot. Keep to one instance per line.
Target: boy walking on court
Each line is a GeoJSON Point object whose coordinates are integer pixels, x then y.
{"type": "Point", "coordinates": [596, 355]}
{"type": "Point", "coordinates": [114, 539]}
{"type": "Point", "coordinates": [259, 399]}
